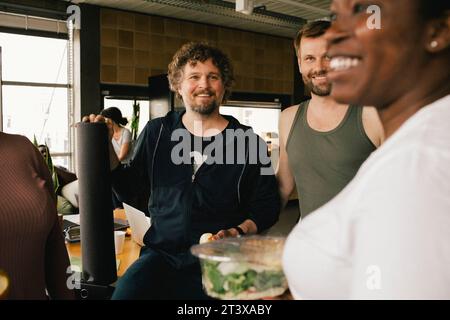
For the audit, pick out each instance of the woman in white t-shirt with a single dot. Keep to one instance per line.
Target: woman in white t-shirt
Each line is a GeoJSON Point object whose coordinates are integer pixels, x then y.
{"type": "Point", "coordinates": [387, 234]}
{"type": "Point", "coordinates": [121, 139]}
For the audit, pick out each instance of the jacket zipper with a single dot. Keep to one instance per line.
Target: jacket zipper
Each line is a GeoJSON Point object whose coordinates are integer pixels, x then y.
{"type": "Point", "coordinates": [194, 174]}
{"type": "Point", "coordinates": [154, 156]}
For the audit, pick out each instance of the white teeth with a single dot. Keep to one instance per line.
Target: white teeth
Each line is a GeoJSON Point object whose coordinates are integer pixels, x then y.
{"type": "Point", "coordinates": [343, 63]}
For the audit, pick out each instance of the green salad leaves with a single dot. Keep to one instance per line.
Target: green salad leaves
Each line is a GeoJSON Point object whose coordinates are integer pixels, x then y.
{"type": "Point", "coordinates": [241, 278]}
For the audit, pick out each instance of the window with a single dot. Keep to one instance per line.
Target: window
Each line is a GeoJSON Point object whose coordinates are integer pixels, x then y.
{"type": "Point", "coordinates": [35, 91]}
{"type": "Point", "coordinates": [262, 117]}
{"type": "Point", "coordinates": [126, 107]}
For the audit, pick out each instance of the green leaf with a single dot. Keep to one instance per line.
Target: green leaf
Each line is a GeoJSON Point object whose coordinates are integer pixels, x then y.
{"type": "Point", "coordinates": [250, 277]}
{"type": "Point", "coordinates": [235, 282]}
{"type": "Point", "coordinates": [269, 279]}
{"type": "Point", "coordinates": [48, 161]}
{"type": "Point", "coordinates": [135, 120]}
{"type": "Point", "coordinates": [214, 275]}
{"type": "Point", "coordinates": [36, 144]}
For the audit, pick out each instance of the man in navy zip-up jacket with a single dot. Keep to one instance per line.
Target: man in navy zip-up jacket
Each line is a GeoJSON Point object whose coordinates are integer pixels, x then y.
{"type": "Point", "coordinates": [233, 193]}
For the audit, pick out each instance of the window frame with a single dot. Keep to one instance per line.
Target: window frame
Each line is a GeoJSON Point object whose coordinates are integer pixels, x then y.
{"type": "Point", "coordinates": [68, 85]}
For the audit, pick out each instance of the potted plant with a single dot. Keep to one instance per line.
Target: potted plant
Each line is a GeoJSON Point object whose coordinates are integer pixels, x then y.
{"type": "Point", "coordinates": [49, 162]}
{"type": "Point", "coordinates": [135, 120]}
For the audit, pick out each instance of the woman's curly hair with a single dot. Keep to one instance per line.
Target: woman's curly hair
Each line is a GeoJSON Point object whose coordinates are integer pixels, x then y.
{"type": "Point", "coordinates": [193, 52]}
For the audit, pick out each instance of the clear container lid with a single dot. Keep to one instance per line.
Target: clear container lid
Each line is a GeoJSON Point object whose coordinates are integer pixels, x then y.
{"type": "Point", "coordinates": [262, 250]}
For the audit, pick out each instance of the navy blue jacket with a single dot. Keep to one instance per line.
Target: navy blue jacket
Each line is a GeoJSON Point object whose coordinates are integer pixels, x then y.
{"type": "Point", "coordinates": [183, 206]}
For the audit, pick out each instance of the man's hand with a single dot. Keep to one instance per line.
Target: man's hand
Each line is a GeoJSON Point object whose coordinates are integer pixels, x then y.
{"type": "Point", "coordinates": [248, 227]}
{"type": "Point", "coordinates": [92, 118]}
{"type": "Point", "coordinates": [99, 118]}
{"type": "Point", "coordinates": [229, 233]}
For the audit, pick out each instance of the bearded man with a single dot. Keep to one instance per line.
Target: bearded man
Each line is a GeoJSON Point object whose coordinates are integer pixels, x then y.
{"type": "Point", "coordinates": [322, 143]}
{"type": "Point", "coordinates": [193, 191]}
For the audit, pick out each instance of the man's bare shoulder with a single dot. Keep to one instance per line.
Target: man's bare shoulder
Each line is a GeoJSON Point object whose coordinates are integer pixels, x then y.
{"type": "Point", "coordinates": [288, 114]}
{"type": "Point", "coordinates": [370, 111]}
{"type": "Point", "coordinates": [286, 119]}
{"type": "Point", "coordinates": [372, 125]}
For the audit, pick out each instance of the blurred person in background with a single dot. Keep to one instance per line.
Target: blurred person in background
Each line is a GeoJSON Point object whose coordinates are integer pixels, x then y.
{"type": "Point", "coordinates": [66, 182]}
{"type": "Point", "coordinates": [121, 141]}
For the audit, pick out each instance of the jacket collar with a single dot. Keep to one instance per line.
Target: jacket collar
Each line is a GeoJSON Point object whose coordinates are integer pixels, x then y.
{"type": "Point", "coordinates": [173, 121]}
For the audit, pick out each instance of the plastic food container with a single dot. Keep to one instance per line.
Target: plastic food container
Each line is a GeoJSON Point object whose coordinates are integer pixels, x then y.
{"type": "Point", "coordinates": [245, 268]}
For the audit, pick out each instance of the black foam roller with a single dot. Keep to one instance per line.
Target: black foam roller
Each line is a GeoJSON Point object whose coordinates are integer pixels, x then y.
{"type": "Point", "coordinates": [96, 213]}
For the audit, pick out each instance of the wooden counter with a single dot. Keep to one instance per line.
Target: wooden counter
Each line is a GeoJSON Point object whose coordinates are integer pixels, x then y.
{"type": "Point", "coordinates": [129, 254]}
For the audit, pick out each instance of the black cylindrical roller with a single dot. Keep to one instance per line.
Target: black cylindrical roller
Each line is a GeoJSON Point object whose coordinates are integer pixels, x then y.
{"type": "Point", "coordinates": [96, 213]}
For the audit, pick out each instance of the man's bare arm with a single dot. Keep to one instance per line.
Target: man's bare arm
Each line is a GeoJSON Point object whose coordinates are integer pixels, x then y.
{"type": "Point", "coordinates": [286, 182]}
{"type": "Point", "coordinates": [124, 149]}
{"type": "Point", "coordinates": [373, 126]}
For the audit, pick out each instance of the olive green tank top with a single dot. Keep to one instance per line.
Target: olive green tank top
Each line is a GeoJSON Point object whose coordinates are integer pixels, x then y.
{"type": "Point", "coordinates": [324, 162]}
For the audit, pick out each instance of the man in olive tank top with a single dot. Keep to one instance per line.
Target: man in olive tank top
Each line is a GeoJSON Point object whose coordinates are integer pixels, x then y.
{"type": "Point", "coordinates": [322, 143]}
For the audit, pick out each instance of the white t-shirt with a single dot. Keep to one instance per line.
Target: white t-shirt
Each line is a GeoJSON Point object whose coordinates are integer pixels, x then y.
{"type": "Point", "coordinates": [117, 144]}
{"type": "Point", "coordinates": [387, 234]}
